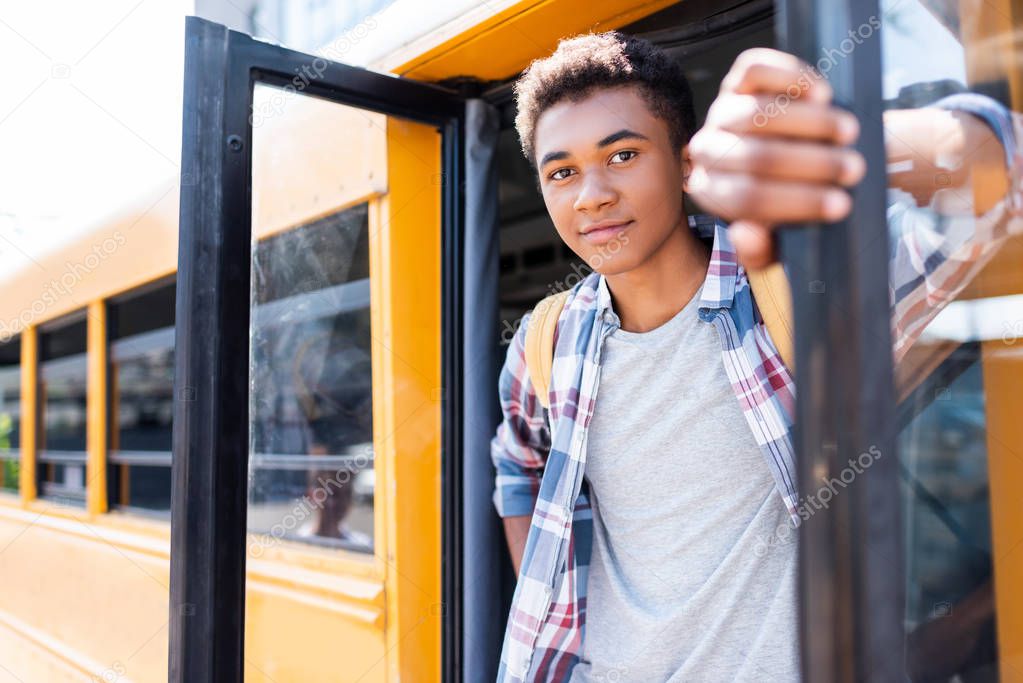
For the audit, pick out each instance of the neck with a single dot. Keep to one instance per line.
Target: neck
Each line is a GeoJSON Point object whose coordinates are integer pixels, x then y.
{"type": "Point", "coordinates": [651, 294]}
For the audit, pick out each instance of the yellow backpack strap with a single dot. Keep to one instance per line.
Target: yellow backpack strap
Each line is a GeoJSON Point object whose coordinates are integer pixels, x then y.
{"type": "Point", "coordinates": [540, 343]}
{"type": "Point", "coordinates": [770, 289]}
{"type": "Point", "coordinates": [774, 299]}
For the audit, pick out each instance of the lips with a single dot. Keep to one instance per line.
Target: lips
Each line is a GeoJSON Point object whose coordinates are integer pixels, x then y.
{"type": "Point", "coordinates": [605, 231]}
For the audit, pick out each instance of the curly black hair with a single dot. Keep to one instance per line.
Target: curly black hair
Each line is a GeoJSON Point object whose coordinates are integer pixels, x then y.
{"type": "Point", "coordinates": [586, 62]}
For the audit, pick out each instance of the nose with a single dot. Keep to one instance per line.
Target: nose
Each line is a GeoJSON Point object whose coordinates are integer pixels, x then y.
{"type": "Point", "coordinates": [595, 192]}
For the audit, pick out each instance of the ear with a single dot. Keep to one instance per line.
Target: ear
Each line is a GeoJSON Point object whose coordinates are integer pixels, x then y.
{"type": "Point", "coordinates": [687, 167]}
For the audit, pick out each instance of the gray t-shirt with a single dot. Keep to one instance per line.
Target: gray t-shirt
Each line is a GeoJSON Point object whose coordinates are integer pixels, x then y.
{"type": "Point", "coordinates": [689, 578]}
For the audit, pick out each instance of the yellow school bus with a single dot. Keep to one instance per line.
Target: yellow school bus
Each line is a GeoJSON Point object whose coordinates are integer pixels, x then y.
{"type": "Point", "coordinates": [245, 422]}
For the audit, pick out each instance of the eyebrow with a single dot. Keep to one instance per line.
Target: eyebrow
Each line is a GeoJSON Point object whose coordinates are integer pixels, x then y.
{"type": "Point", "coordinates": [622, 134]}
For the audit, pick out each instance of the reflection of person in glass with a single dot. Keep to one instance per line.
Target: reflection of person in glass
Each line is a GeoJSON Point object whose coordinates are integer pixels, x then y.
{"type": "Point", "coordinates": [335, 393]}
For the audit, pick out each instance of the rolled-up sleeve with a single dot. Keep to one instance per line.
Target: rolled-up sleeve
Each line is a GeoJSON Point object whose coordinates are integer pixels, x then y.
{"type": "Point", "coordinates": [519, 448]}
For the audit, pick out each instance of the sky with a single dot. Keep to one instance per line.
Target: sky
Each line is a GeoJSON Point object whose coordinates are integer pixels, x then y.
{"type": "Point", "coordinates": [90, 114]}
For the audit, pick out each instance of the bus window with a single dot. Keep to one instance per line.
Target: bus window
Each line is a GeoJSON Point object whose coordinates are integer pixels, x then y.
{"type": "Point", "coordinates": [141, 395]}
{"type": "Point", "coordinates": [958, 366]}
{"type": "Point", "coordinates": [62, 399]}
{"type": "Point", "coordinates": [311, 394]}
{"type": "Point", "coordinates": [10, 413]}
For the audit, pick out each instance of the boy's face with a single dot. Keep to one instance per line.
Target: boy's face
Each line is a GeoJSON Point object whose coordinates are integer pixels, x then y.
{"type": "Point", "coordinates": [608, 161]}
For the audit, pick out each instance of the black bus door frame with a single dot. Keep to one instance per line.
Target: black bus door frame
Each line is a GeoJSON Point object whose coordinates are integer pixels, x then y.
{"type": "Point", "coordinates": [850, 555]}
{"type": "Point", "coordinates": [210, 442]}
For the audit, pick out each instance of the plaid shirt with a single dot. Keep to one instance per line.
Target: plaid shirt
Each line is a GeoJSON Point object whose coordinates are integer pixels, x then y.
{"type": "Point", "coordinates": [540, 469]}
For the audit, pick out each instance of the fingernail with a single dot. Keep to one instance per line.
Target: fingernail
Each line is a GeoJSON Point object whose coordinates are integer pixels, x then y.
{"type": "Point", "coordinates": [836, 204]}
{"type": "Point", "coordinates": [821, 91]}
{"type": "Point", "coordinates": [853, 168]}
{"type": "Point", "coordinates": [848, 129]}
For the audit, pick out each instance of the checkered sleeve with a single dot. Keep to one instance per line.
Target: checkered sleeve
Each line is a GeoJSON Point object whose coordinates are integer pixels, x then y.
{"type": "Point", "coordinates": [934, 259]}
{"type": "Point", "coordinates": [519, 448]}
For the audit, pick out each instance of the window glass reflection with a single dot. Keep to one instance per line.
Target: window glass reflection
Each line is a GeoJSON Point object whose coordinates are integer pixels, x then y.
{"type": "Point", "coordinates": [945, 497]}
{"type": "Point", "coordinates": [324, 26]}
{"type": "Point", "coordinates": [62, 399]}
{"type": "Point", "coordinates": [311, 417]}
{"type": "Point", "coordinates": [954, 224]}
{"type": "Point", "coordinates": [10, 413]}
{"type": "Point", "coordinates": [141, 393]}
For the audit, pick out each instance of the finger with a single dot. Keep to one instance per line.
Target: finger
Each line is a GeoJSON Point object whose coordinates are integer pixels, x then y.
{"type": "Point", "coordinates": [776, 159]}
{"type": "Point", "coordinates": [765, 115]}
{"type": "Point", "coordinates": [773, 72]}
{"type": "Point", "coordinates": [754, 244]}
{"type": "Point", "coordinates": [736, 196]}
{"type": "Point", "coordinates": [910, 181]}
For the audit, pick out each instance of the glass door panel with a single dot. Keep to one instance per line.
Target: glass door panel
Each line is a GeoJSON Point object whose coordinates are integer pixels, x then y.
{"type": "Point", "coordinates": [950, 80]}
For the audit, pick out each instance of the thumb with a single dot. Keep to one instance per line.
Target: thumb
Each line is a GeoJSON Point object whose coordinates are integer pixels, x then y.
{"type": "Point", "coordinates": [754, 244]}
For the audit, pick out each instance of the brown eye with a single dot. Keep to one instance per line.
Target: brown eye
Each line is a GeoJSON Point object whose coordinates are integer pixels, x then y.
{"type": "Point", "coordinates": [555, 176]}
{"type": "Point", "coordinates": [629, 152]}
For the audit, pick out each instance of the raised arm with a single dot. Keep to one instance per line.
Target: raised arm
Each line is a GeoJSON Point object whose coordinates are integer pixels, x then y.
{"type": "Point", "coordinates": [961, 157]}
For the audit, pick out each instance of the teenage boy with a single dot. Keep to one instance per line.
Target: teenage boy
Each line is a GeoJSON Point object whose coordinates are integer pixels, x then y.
{"type": "Point", "coordinates": [638, 521]}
